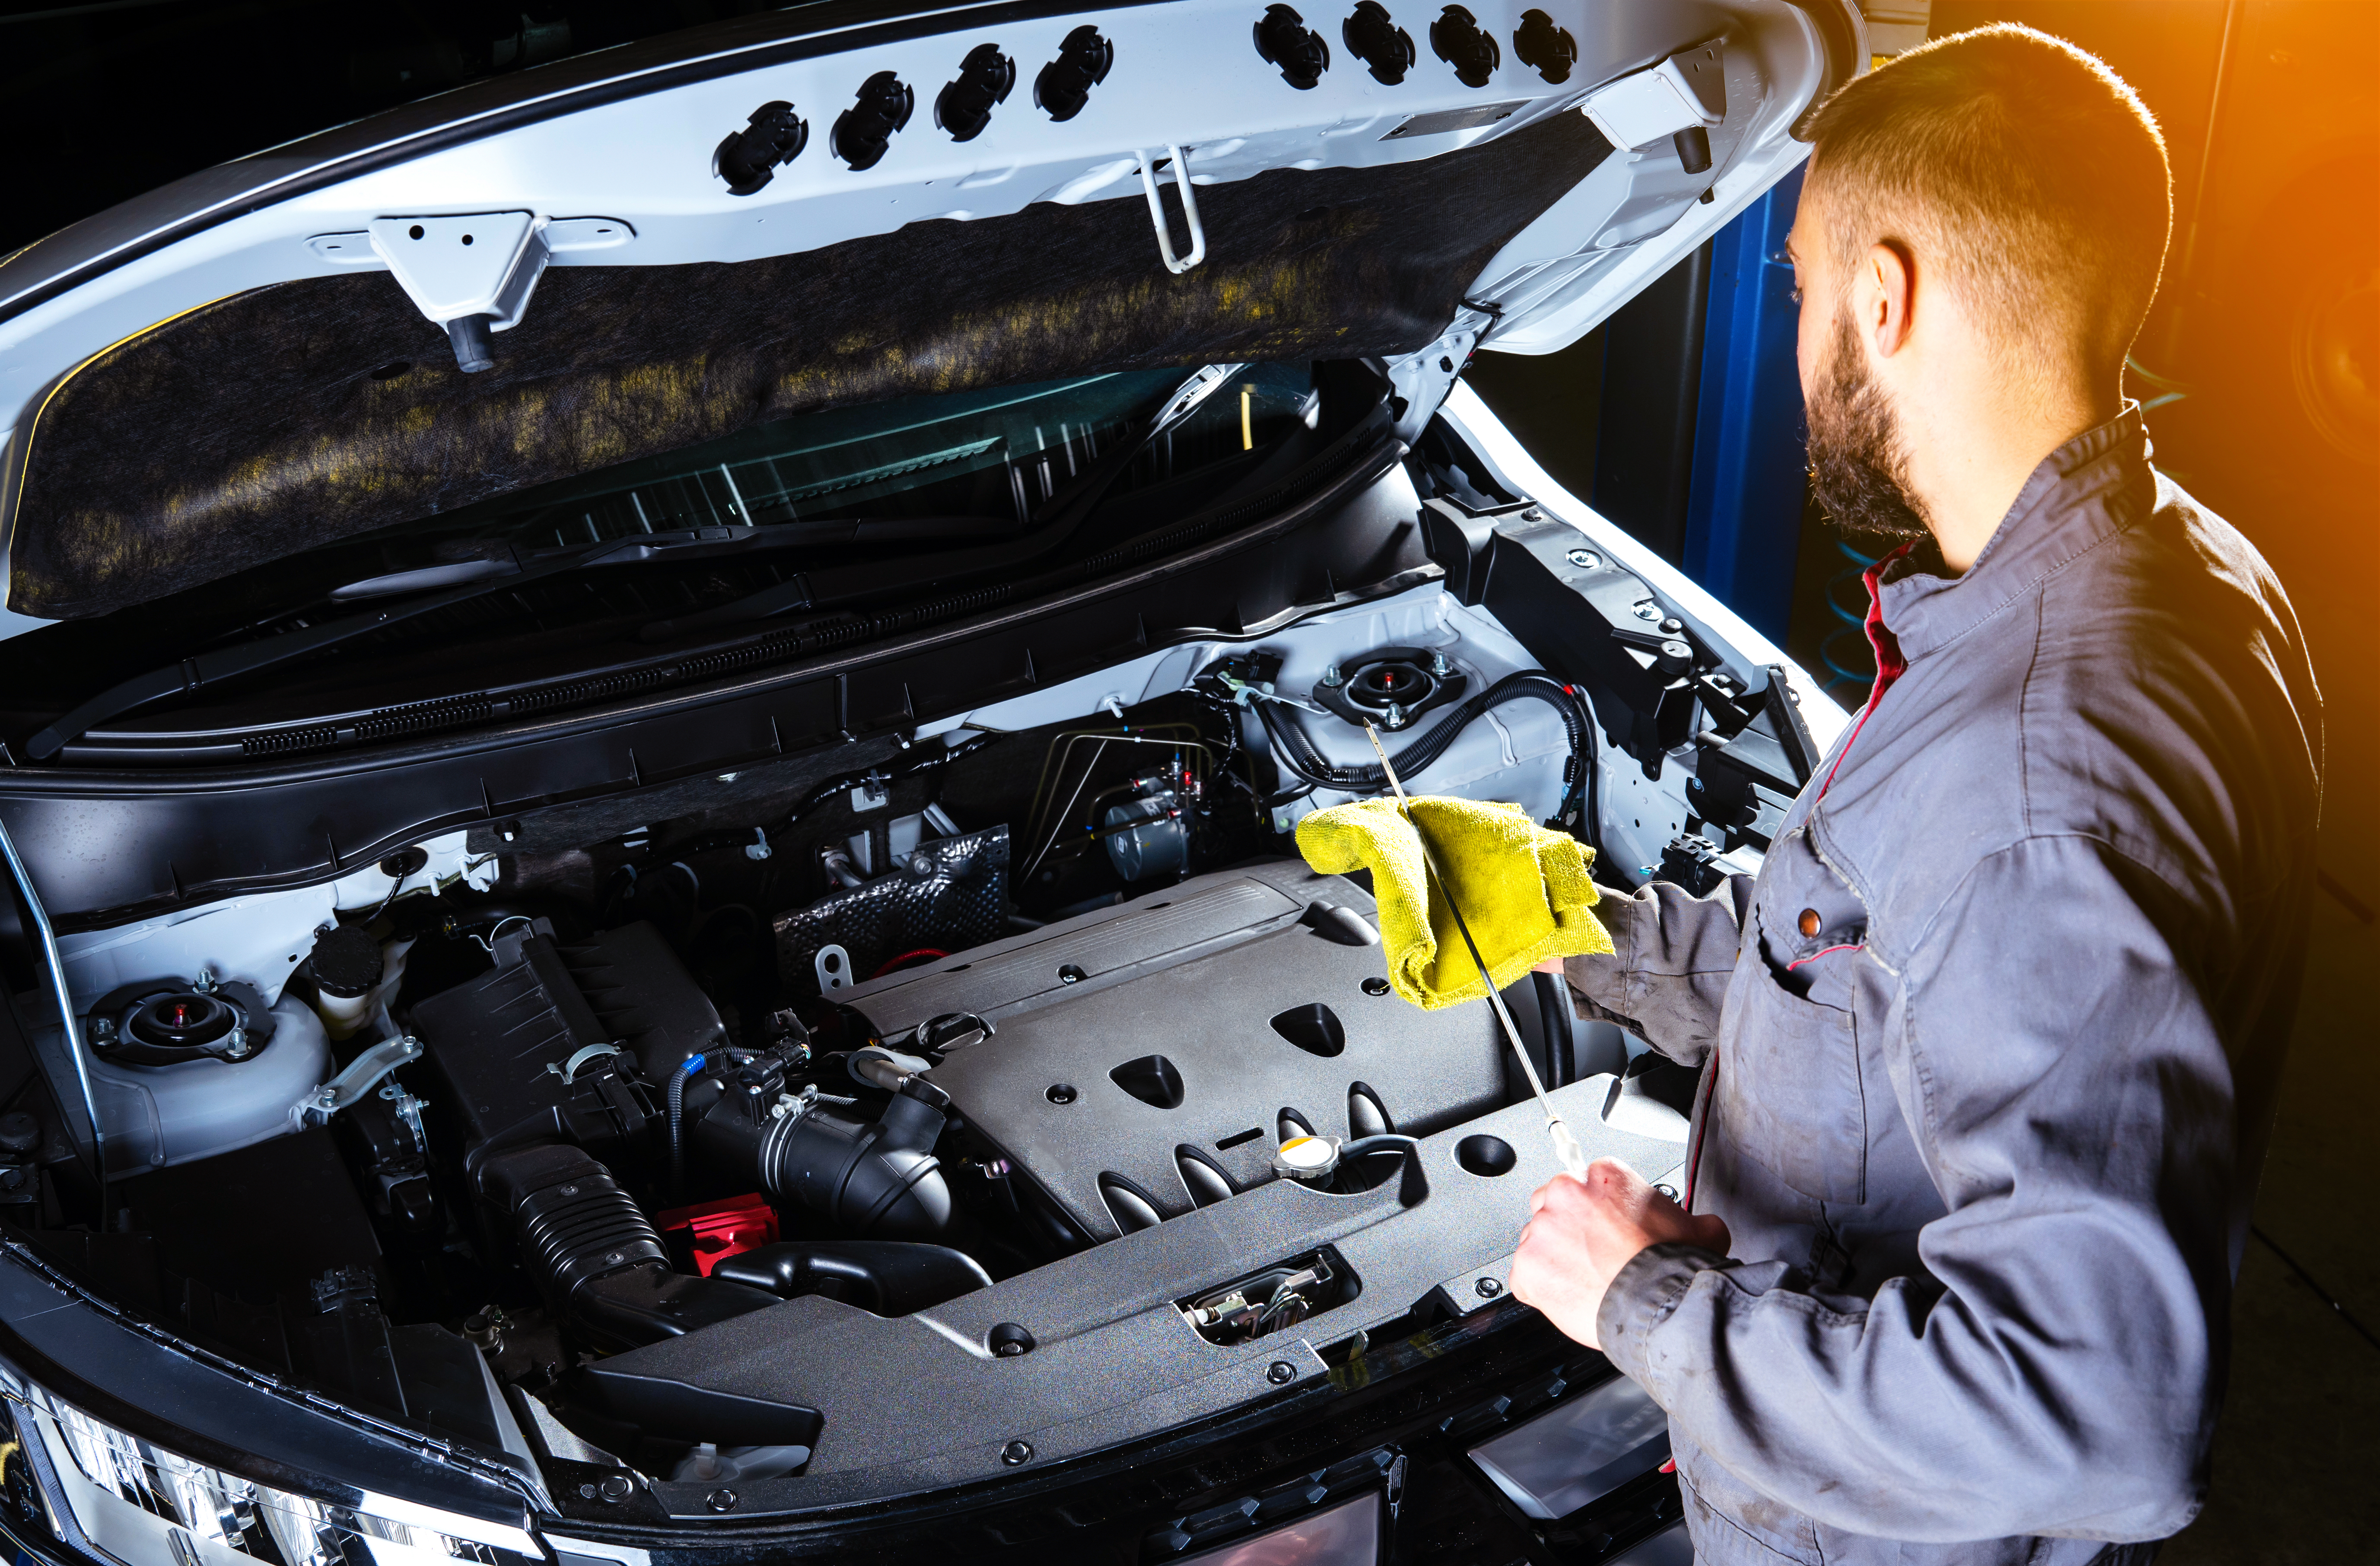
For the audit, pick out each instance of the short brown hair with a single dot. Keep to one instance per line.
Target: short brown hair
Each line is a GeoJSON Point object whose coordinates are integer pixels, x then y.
{"type": "Point", "coordinates": [2024, 168]}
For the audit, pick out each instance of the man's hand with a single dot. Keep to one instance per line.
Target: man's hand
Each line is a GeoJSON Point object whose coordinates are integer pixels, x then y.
{"type": "Point", "coordinates": [1581, 1234]}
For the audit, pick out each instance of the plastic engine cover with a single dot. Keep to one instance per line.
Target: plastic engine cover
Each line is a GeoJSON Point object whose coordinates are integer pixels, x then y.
{"type": "Point", "coordinates": [1189, 1019]}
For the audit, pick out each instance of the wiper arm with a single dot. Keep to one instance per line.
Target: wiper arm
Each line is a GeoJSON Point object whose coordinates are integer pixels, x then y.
{"type": "Point", "coordinates": [497, 573]}
{"type": "Point", "coordinates": [208, 668]}
{"type": "Point", "coordinates": [502, 569]}
{"type": "Point", "coordinates": [501, 561]}
{"type": "Point", "coordinates": [1055, 520]}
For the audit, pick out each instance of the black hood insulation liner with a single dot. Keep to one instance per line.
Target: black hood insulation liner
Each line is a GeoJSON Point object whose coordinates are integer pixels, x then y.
{"type": "Point", "coordinates": [306, 412]}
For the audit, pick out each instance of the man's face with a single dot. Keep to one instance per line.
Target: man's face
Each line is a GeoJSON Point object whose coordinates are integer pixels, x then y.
{"type": "Point", "coordinates": [1859, 466]}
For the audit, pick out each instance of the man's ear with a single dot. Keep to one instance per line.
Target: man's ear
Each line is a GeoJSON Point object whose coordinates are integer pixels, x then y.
{"type": "Point", "coordinates": [1888, 305]}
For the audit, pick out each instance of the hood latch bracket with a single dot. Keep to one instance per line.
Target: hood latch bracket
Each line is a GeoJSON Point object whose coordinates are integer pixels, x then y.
{"type": "Point", "coordinates": [1189, 212]}
{"type": "Point", "coordinates": [471, 273]}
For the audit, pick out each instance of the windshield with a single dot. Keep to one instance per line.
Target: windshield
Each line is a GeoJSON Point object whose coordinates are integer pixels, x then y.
{"type": "Point", "coordinates": [830, 514]}
{"type": "Point", "coordinates": [995, 456]}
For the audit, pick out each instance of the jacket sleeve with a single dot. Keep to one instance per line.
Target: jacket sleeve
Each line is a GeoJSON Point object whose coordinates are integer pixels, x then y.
{"type": "Point", "coordinates": [2056, 1367]}
{"type": "Point", "coordinates": [1668, 970]}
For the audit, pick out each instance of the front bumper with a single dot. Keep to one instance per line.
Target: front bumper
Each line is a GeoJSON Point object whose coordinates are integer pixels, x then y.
{"type": "Point", "coordinates": [1379, 1462]}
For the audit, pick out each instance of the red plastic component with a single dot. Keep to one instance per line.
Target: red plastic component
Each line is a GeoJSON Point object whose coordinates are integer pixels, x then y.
{"type": "Point", "coordinates": [711, 1231]}
{"type": "Point", "coordinates": [919, 955]}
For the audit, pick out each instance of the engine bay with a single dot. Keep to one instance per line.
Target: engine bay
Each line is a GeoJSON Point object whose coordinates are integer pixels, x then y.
{"type": "Point", "coordinates": [1029, 1056]}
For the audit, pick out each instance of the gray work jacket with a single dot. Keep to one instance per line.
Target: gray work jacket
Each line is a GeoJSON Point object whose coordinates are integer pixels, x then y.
{"type": "Point", "coordinates": [1989, 1050]}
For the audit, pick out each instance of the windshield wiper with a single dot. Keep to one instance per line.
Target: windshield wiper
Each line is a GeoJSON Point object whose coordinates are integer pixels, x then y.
{"type": "Point", "coordinates": [502, 569]}
{"type": "Point", "coordinates": [495, 559]}
{"type": "Point", "coordinates": [1054, 521]}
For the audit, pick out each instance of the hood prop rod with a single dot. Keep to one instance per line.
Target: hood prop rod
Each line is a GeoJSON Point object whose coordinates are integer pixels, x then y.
{"type": "Point", "coordinates": [77, 1050]}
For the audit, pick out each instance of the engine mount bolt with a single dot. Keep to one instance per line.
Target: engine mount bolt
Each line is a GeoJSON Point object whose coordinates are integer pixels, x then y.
{"type": "Point", "coordinates": [720, 1499]}
{"type": "Point", "coordinates": [1017, 1453]}
{"type": "Point", "coordinates": [1281, 1373]}
{"type": "Point", "coordinates": [1488, 1288]}
{"type": "Point", "coordinates": [615, 1487]}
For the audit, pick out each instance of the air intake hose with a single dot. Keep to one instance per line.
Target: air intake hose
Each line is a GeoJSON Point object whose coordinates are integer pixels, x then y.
{"type": "Point", "coordinates": [873, 1181]}
{"type": "Point", "coordinates": [596, 1259]}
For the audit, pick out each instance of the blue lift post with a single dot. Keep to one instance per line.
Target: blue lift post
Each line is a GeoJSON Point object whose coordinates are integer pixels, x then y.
{"type": "Point", "coordinates": [1744, 513]}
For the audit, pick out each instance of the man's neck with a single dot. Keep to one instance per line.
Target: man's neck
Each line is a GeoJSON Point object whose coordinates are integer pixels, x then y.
{"type": "Point", "coordinates": [1967, 464]}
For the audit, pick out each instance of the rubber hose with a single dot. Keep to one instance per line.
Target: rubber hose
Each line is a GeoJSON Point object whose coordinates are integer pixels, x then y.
{"type": "Point", "coordinates": [677, 1082]}
{"type": "Point", "coordinates": [1294, 750]}
{"type": "Point", "coordinates": [1412, 1183]}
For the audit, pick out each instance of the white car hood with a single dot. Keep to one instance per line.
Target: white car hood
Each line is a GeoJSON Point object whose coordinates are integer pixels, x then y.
{"type": "Point", "coordinates": [615, 161]}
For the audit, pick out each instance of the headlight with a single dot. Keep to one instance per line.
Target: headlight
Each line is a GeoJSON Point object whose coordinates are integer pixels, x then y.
{"type": "Point", "coordinates": [1345, 1535]}
{"type": "Point", "coordinates": [1579, 1451]}
{"type": "Point", "coordinates": [142, 1505]}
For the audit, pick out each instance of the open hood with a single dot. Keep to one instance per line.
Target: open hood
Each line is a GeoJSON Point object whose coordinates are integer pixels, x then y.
{"type": "Point", "coordinates": [629, 253]}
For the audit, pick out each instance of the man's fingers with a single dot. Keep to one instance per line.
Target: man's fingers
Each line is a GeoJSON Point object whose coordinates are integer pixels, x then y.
{"type": "Point", "coordinates": [1561, 1191]}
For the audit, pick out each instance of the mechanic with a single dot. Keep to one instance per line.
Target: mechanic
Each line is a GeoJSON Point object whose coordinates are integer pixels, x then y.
{"type": "Point", "coordinates": [1989, 1047]}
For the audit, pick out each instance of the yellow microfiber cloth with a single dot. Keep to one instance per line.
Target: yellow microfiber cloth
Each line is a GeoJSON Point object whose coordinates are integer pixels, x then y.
{"type": "Point", "coordinates": [1523, 889]}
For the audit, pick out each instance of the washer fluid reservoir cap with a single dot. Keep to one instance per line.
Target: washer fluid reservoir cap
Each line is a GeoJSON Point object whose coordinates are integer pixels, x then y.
{"type": "Point", "coordinates": [347, 962]}
{"type": "Point", "coordinates": [1306, 1158]}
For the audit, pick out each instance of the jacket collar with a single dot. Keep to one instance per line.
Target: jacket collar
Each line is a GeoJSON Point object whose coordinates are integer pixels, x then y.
{"type": "Point", "coordinates": [2094, 486]}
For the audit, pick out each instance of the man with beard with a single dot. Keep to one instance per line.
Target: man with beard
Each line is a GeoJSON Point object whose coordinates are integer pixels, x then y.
{"type": "Point", "coordinates": [1989, 1046]}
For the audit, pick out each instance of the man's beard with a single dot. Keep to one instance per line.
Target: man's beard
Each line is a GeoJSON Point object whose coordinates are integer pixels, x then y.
{"type": "Point", "coordinates": [1859, 469]}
